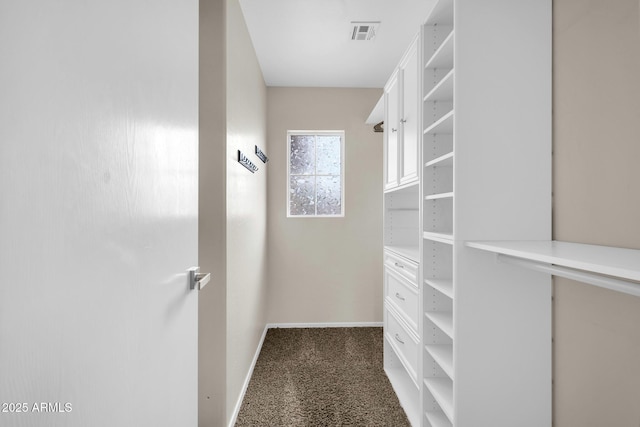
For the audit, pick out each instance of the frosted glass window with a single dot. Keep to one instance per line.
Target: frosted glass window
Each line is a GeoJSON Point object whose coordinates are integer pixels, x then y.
{"type": "Point", "coordinates": [329, 195]}
{"type": "Point", "coordinates": [303, 158]}
{"type": "Point", "coordinates": [302, 195]}
{"type": "Point", "coordinates": [315, 174]}
{"type": "Point", "coordinates": [328, 152]}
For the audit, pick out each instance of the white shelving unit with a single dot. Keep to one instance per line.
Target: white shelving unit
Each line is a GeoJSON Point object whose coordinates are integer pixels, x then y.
{"type": "Point", "coordinates": [443, 320]}
{"type": "Point", "coordinates": [442, 391]}
{"type": "Point", "coordinates": [438, 194]}
{"type": "Point", "coordinates": [402, 170]}
{"type": "Point", "coordinates": [443, 355]}
{"type": "Point", "coordinates": [477, 352]}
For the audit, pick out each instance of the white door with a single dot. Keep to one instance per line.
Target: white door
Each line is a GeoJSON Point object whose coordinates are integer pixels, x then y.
{"type": "Point", "coordinates": [409, 119]}
{"type": "Point", "coordinates": [391, 130]}
{"type": "Point", "coordinates": [98, 212]}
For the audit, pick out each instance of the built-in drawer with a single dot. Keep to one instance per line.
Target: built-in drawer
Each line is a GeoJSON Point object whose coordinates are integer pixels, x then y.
{"type": "Point", "coordinates": [403, 295]}
{"type": "Point", "coordinates": [403, 342]}
{"type": "Point", "coordinates": [402, 266]}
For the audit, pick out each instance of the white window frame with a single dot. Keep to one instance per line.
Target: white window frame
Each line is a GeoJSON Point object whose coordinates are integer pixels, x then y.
{"type": "Point", "coordinates": [339, 133]}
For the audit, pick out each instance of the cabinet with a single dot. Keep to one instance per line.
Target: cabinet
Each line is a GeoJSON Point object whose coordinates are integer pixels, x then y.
{"type": "Point", "coordinates": [391, 147]}
{"type": "Point", "coordinates": [402, 298]}
{"type": "Point", "coordinates": [403, 122]}
{"type": "Point", "coordinates": [484, 173]}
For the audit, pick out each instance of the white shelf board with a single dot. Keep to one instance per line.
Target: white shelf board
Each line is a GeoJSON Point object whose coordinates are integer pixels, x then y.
{"type": "Point", "coordinates": [445, 160]}
{"type": "Point", "coordinates": [611, 261]}
{"type": "Point", "coordinates": [403, 187]}
{"type": "Point", "coordinates": [445, 286]}
{"type": "Point", "coordinates": [411, 252]}
{"type": "Point", "coordinates": [443, 126]}
{"type": "Point", "coordinates": [443, 355]}
{"type": "Point", "coordinates": [438, 419]}
{"type": "Point", "coordinates": [442, 391]}
{"type": "Point", "coordinates": [447, 195]}
{"type": "Point", "coordinates": [443, 320]}
{"type": "Point", "coordinates": [446, 238]}
{"type": "Point", "coordinates": [443, 56]}
{"type": "Point", "coordinates": [443, 91]}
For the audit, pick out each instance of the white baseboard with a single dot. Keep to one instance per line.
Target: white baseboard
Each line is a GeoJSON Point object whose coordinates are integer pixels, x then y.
{"type": "Point", "coordinates": [326, 325]}
{"type": "Point", "coordinates": [236, 409]}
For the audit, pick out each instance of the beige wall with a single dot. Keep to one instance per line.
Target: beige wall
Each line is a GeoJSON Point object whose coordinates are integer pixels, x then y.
{"type": "Point", "coordinates": [232, 221]}
{"type": "Point", "coordinates": [326, 270]}
{"type": "Point", "coordinates": [246, 204]}
{"type": "Point", "coordinates": [212, 216]}
{"type": "Point", "coordinates": [597, 201]}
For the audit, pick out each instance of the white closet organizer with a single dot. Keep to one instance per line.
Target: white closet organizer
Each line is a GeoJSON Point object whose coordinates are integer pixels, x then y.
{"type": "Point", "coordinates": [402, 307]}
{"type": "Point", "coordinates": [467, 341]}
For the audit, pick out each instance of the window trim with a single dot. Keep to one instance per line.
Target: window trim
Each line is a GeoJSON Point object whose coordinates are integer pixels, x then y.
{"type": "Point", "coordinates": [341, 134]}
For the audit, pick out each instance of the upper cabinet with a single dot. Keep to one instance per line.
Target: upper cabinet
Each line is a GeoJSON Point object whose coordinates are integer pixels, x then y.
{"type": "Point", "coordinates": [391, 132]}
{"type": "Point", "coordinates": [402, 122]}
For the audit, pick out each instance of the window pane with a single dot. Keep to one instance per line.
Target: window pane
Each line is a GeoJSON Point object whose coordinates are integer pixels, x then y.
{"type": "Point", "coordinates": [328, 152]}
{"type": "Point", "coordinates": [329, 195]}
{"type": "Point", "coordinates": [302, 195]}
{"type": "Point", "coordinates": [302, 155]}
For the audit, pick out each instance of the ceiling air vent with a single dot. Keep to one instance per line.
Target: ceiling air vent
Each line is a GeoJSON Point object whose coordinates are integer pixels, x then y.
{"type": "Point", "coordinates": [364, 30]}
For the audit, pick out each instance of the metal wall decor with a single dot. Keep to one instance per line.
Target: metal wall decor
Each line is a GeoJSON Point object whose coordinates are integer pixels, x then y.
{"type": "Point", "coordinates": [261, 155]}
{"type": "Point", "coordinates": [244, 161]}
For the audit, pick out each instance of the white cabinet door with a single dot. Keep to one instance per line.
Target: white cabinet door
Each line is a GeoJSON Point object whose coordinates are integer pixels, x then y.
{"type": "Point", "coordinates": [98, 213]}
{"type": "Point", "coordinates": [391, 133]}
{"type": "Point", "coordinates": [402, 122]}
{"type": "Point", "coordinates": [409, 120]}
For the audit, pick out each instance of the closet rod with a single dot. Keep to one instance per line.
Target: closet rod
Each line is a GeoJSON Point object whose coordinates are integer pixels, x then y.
{"type": "Point", "coordinates": [624, 286]}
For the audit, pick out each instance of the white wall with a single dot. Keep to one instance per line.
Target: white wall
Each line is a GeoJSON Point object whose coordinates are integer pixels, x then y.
{"type": "Point", "coordinates": [596, 189]}
{"type": "Point", "coordinates": [328, 269]}
{"type": "Point", "coordinates": [246, 204]}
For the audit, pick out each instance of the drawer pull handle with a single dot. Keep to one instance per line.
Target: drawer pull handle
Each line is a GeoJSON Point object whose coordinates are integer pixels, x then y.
{"type": "Point", "coordinates": [398, 339]}
{"type": "Point", "coordinates": [399, 296]}
{"type": "Point", "coordinates": [399, 265]}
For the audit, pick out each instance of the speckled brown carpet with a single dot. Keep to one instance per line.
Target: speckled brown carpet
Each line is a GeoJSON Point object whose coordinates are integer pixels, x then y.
{"type": "Point", "coordinates": [321, 377]}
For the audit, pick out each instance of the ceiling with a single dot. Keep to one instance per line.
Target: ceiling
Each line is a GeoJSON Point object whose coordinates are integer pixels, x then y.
{"type": "Point", "coordinates": [308, 43]}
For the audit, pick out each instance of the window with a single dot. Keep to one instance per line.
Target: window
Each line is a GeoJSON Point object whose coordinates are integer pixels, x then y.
{"type": "Point", "coordinates": [315, 176]}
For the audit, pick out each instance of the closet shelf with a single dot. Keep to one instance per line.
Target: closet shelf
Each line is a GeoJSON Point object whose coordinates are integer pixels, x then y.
{"type": "Point", "coordinates": [443, 56]}
{"type": "Point", "coordinates": [411, 252]}
{"type": "Point", "coordinates": [444, 125]}
{"type": "Point", "coordinates": [447, 195]}
{"type": "Point", "coordinates": [445, 160]}
{"type": "Point", "coordinates": [438, 419]}
{"type": "Point", "coordinates": [617, 262]}
{"type": "Point", "coordinates": [439, 237]}
{"type": "Point", "coordinates": [444, 286]}
{"type": "Point", "coordinates": [442, 391]}
{"type": "Point", "coordinates": [443, 91]}
{"type": "Point", "coordinates": [402, 187]}
{"type": "Point", "coordinates": [443, 355]}
{"type": "Point", "coordinates": [443, 320]}
{"type": "Point", "coordinates": [608, 267]}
